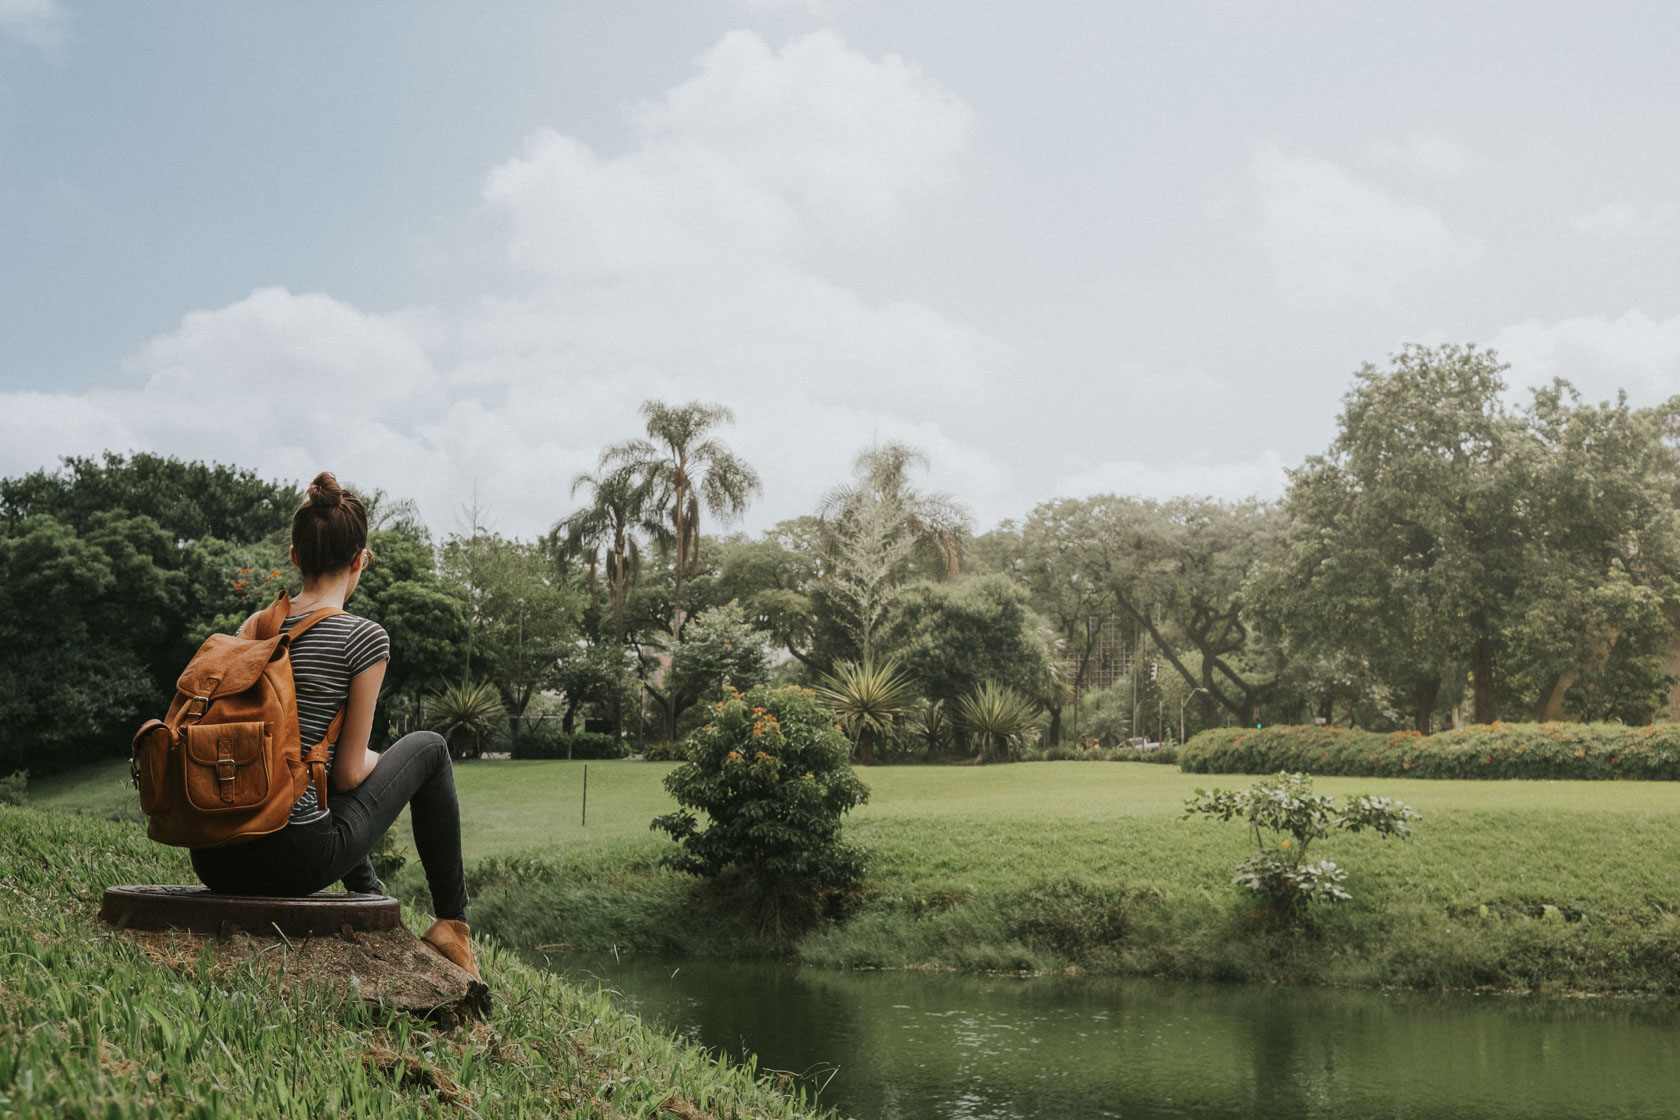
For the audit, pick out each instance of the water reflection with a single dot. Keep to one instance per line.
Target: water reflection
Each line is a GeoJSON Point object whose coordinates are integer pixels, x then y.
{"type": "Point", "coordinates": [914, 1046]}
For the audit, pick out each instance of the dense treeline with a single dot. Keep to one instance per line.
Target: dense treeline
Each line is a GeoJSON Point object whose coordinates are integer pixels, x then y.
{"type": "Point", "coordinates": [1450, 556]}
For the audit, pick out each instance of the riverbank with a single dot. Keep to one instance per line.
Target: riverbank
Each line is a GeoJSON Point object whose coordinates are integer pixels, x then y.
{"type": "Point", "coordinates": [91, 1025]}
{"type": "Point", "coordinates": [1512, 886]}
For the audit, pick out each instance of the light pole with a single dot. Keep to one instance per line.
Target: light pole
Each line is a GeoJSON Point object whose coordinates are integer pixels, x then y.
{"type": "Point", "coordinates": [1182, 705]}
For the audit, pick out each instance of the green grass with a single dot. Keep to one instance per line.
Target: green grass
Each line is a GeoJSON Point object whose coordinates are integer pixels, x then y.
{"type": "Point", "coordinates": [91, 1026]}
{"type": "Point", "coordinates": [1521, 885]}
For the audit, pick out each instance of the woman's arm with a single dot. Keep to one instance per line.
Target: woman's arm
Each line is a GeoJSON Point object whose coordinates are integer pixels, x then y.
{"type": "Point", "coordinates": [352, 761]}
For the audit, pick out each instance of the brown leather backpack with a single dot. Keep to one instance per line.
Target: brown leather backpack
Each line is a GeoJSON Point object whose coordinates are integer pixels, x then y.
{"type": "Point", "coordinates": [226, 763]}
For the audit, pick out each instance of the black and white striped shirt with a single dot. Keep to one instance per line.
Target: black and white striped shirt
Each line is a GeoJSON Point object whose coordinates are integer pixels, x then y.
{"type": "Point", "coordinates": [325, 658]}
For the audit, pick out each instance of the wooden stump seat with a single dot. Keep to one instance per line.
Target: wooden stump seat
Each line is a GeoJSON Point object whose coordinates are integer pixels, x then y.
{"type": "Point", "coordinates": [197, 909]}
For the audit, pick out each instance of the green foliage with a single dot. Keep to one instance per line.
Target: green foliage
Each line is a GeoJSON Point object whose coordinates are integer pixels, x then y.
{"type": "Point", "coordinates": [999, 718]}
{"type": "Point", "coordinates": [14, 788]}
{"type": "Point", "coordinates": [459, 711]}
{"type": "Point", "coordinates": [1286, 816]}
{"type": "Point", "coordinates": [868, 700]}
{"type": "Point", "coordinates": [545, 740]}
{"type": "Point", "coordinates": [1549, 751]}
{"type": "Point", "coordinates": [951, 637]}
{"type": "Point", "coordinates": [522, 614]}
{"type": "Point", "coordinates": [90, 628]}
{"type": "Point", "coordinates": [770, 773]}
{"type": "Point", "coordinates": [189, 501]}
{"type": "Point", "coordinates": [665, 751]}
{"type": "Point", "coordinates": [718, 648]}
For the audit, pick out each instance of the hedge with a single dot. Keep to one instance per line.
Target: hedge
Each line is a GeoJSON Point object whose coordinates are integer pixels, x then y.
{"type": "Point", "coordinates": [537, 741]}
{"type": "Point", "coordinates": [1575, 751]}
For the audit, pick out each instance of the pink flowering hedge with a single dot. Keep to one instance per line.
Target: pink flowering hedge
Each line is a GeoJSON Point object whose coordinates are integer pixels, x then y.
{"type": "Point", "coordinates": [1590, 751]}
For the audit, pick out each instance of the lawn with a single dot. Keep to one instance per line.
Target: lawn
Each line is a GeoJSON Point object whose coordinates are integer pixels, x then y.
{"type": "Point", "coordinates": [1047, 865]}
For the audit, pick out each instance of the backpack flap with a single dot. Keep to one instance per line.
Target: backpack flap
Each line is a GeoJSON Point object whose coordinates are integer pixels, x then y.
{"type": "Point", "coordinates": [225, 665]}
{"type": "Point", "coordinates": [227, 765]}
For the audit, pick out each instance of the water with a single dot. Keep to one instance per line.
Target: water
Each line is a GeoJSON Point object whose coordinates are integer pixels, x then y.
{"type": "Point", "coordinates": [921, 1046]}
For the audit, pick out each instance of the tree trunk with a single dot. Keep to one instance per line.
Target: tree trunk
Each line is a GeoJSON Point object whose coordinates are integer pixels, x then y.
{"type": "Point", "coordinates": [866, 748]}
{"type": "Point", "coordinates": [1481, 677]}
{"type": "Point", "coordinates": [1055, 734]}
{"type": "Point", "coordinates": [1428, 688]}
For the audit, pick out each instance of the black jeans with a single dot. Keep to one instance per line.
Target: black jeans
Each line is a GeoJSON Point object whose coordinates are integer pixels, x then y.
{"type": "Point", "coordinates": [301, 859]}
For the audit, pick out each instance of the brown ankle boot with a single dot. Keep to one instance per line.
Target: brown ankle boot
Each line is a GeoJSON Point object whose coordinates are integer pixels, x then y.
{"type": "Point", "coordinates": [452, 939]}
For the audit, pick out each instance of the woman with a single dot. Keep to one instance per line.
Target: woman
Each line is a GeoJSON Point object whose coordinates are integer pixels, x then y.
{"type": "Point", "coordinates": [339, 662]}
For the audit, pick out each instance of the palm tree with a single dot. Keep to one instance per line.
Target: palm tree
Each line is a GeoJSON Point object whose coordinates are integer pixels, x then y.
{"type": "Point", "coordinates": [619, 507]}
{"type": "Point", "coordinates": [868, 701]}
{"type": "Point", "coordinates": [1000, 716]}
{"type": "Point", "coordinates": [935, 521]}
{"type": "Point", "coordinates": [687, 468]}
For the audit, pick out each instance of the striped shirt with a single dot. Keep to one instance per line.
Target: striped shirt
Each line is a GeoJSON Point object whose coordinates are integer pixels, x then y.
{"type": "Point", "coordinates": [325, 658]}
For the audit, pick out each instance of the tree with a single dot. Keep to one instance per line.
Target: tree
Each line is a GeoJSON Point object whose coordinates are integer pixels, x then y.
{"type": "Point", "coordinates": [90, 625]}
{"type": "Point", "coordinates": [935, 524]}
{"type": "Point", "coordinates": [188, 501]}
{"type": "Point", "coordinates": [1173, 571]}
{"type": "Point", "coordinates": [522, 614]}
{"type": "Point", "coordinates": [951, 637]}
{"type": "Point", "coordinates": [605, 531]}
{"type": "Point", "coordinates": [1596, 603]}
{"type": "Point", "coordinates": [718, 648]}
{"type": "Point", "coordinates": [687, 468]}
{"type": "Point", "coordinates": [1404, 546]}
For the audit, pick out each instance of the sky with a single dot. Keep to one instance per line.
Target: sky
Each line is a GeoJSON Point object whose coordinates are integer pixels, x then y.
{"type": "Point", "coordinates": [447, 250]}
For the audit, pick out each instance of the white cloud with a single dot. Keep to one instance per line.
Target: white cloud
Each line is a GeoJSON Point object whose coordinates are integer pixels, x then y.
{"type": "Point", "coordinates": [1335, 238]}
{"type": "Point", "coordinates": [1621, 219]}
{"type": "Point", "coordinates": [675, 269]}
{"type": "Point", "coordinates": [758, 156]}
{"type": "Point", "coordinates": [1597, 355]}
{"type": "Point", "coordinates": [1227, 480]}
{"type": "Point", "coordinates": [38, 23]}
{"type": "Point", "coordinates": [1428, 158]}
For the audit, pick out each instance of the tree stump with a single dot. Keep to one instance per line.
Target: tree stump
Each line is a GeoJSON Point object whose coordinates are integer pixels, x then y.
{"type": "Point", "coordinates": [201, 910]}
{"type": "Point", "coordinates": [355, 942]}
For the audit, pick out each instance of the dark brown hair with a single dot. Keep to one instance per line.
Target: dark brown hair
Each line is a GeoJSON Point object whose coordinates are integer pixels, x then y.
{"type": "Point", "coordinates": [329, 528]}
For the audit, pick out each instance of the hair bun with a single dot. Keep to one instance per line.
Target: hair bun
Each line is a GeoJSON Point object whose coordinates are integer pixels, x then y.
{"type": "Point", "coordinates": [325, 492]}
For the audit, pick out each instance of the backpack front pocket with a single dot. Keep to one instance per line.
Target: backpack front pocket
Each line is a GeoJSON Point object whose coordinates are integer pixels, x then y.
{"type": "Point", "coordinates": [227, 765]}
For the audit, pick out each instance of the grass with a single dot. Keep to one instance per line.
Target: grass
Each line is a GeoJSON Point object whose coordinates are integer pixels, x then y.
{"type": "Point", "coordinates": [1510, 885]}
{"type": "Point", "coordinates": [91, 1026]}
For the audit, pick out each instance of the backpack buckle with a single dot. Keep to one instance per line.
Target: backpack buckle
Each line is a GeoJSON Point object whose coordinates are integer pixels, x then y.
{"type": "Point", "coordinates": [201, 703]}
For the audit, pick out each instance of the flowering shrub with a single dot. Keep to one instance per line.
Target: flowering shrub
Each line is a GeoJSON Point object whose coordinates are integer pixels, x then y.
{"type": "Point", "coordinates": [1286, 817]}
{"type": "Point", "coordinates": [771, 772]}
{"type": "Point", "coordinates": [1497, 750]}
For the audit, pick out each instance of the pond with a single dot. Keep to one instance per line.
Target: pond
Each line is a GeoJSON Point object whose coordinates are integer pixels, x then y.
{"type": "Point", "coordinates": [933, 1046]}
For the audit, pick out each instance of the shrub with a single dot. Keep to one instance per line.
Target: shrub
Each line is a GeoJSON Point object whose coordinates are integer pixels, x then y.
{"type": "Point", "coordinates": [771, 773]}
{"type": "Point", "coordinates": [1286, 817]}
{"type": "Point", "coordinates": [14, 788]}
{"type": "Point", "coordinates": [665, 752]}
{"type": "Point", "coordinates": [548, 741]}
{"type": "Point", "coordinates": [1518, 750]}
{"type": "Point", "coordinates": [1067, 753]}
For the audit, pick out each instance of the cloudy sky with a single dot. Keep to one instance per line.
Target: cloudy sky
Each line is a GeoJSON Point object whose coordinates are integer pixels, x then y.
{"type": "Point", "coordinates": [1063, 248]}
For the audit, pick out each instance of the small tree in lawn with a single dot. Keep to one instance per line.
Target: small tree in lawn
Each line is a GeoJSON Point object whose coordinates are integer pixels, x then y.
{"type": "Point", "coordinates": [771, 773]}
{"type": "Point", "coordinates": [1285, 817]}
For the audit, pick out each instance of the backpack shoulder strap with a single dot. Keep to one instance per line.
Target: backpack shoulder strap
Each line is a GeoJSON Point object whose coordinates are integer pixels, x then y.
{"type": "Point", "coordinates": [310, 619]}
